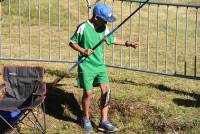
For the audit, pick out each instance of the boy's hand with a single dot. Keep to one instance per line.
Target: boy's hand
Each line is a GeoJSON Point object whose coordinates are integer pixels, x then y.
{"type": "Point", "coordinates": [67, 74]}
{"type": "Point", "coordinates": [134, 44]}
{"type": "Point", "coordinates": [88, 52]}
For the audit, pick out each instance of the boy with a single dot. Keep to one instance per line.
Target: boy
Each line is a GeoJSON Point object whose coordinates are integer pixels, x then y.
{"type": "Point", "coordinates": [92, 71]}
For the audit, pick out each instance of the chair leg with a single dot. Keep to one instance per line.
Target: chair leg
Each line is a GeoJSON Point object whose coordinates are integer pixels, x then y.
{"type": "Point", "coordinates": [9, 124]}
{"type": "Point", "coordinates": [38, 125]}
{"type": "Point", "coordinates": [44, 115]}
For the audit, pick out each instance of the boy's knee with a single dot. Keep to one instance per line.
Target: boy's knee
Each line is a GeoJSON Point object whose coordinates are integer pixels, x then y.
{"type": "Point", "coordinates": [105, 87]}
{"type": "Point", "coordinates": [87, 94]}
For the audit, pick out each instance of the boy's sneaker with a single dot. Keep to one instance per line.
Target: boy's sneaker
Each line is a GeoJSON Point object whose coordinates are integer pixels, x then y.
{"type": "Point", "coordinates": [87, 125]}
{"type": "Point", "coordinates": [106, 126]}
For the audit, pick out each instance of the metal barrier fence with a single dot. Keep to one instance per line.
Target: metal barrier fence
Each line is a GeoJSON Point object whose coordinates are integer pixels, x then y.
{"type": "Point", "coordinates": [168, 34]}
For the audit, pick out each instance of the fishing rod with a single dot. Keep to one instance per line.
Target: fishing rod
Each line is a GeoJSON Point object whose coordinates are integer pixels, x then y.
{"type": "Point", "coordinates": [82, 58]}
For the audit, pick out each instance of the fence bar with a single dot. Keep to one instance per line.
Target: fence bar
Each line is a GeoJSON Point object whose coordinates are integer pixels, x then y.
{"type": "Point", "coordinates": [29, 27]}
{"type": "Point", "coordinates": [148, 26]}
{"type": "Point", "coordinates": [176, 40]}
{"type": "Point", "coordinates": [130, 33]}
{"type": "Point", "coordinates": [104, 47]}
{"type": "Point", "coordinates": [196, 36]}
{"type": "Point", "coordinates": [186, 43]}
{"type": "Point", "coordinates": [49, 27]}
{"type": "Point", "coordinates": [20, 40]}
{"type": "Point", "coordinates": [39, 26]}
{"type": "Point", "coordinates": [59, 41]}
{"type": "Point", "coordinates": [139, 31]}
{"type": "Point", "coordinates": [113, 46]}
{"type": "Point", "coordinates": [134, 69]}
{"type": "Point", "coordinates": [38, 60]}
{"type": "Point", "coordinates": [79, 12]}
{"type": "Point", "coordinates": [1, 18]}
{"type": "Point", "coordinates": [122, 3]}
{"type": "Point", "coordinates": [69, 29]}
{"type": "Point", "coordinates": [121, 33]}
{"type": "Point", "coordinates": [157, 37]}
{"type": "Point", "coordinates": [1, 32]}
{"type": "Point", "coordinates": [155, 72]}
{"type": "Point", "coordinates": [89, 7]}
{"type": "Point", "coordinates": [166, 49]}
{"type": "Point", "coordinates": [10, 27]}
{"type": "Point", "coordinates": [167, 3]}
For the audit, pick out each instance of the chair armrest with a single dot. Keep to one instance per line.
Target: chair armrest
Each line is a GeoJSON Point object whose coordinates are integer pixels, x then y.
{"type": "Point", "coordinates": [40, 89]}
{"type": "Point", "coordinates": [2, 91]}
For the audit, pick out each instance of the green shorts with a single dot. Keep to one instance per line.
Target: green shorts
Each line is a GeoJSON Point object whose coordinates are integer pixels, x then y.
{"type": "Point", "coordinates": [89, 80]}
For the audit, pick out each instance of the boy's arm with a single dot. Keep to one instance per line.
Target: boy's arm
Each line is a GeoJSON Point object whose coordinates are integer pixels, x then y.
{"type": "Point", "coordinates": [134, 44]}
{"type": "Point", "coordinates": [76, 47]}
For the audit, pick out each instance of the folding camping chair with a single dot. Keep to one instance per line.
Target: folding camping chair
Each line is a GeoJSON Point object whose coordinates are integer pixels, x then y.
{"type": "Point", "coordinates": [22, 92]}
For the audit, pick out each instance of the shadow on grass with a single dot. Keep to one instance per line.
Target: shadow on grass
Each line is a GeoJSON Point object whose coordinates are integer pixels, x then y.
{"type": "Point", "coordinates": [57, 101]}
{"type": "Point", "coordinates": [179, 101]}
{"type": "Point", "coordinates": [163, 88]}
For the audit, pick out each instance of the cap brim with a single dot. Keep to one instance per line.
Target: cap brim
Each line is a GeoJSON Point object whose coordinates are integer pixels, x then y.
{"type": "Point", "coordinates": [110, 19]}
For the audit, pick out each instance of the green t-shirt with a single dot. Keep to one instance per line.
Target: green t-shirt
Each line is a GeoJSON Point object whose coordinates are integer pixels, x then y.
{"type": "Point", "coordinates": [86, 36]}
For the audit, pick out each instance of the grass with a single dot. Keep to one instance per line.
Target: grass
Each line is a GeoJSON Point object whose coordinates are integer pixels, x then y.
{"type": "Point", "coordinates": [141, 102]}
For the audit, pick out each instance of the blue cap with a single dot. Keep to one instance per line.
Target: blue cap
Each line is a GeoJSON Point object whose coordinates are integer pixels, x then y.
{"type": "Point", "coordinates": [104, 12]}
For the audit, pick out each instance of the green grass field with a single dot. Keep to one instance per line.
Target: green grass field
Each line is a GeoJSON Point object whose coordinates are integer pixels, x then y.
{"type": "Point", "coordinates": [141, 102]}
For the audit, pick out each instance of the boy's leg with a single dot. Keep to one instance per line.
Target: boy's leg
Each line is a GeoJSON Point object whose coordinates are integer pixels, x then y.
{"type": "Point", "coordinates": [105, 125]}
{"type": "Point", "coordinates": [105, 94]}
{"type": "Point", "coordinates": [85, 81]}
{"type": "Point", "coordinates": [86, 100]}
